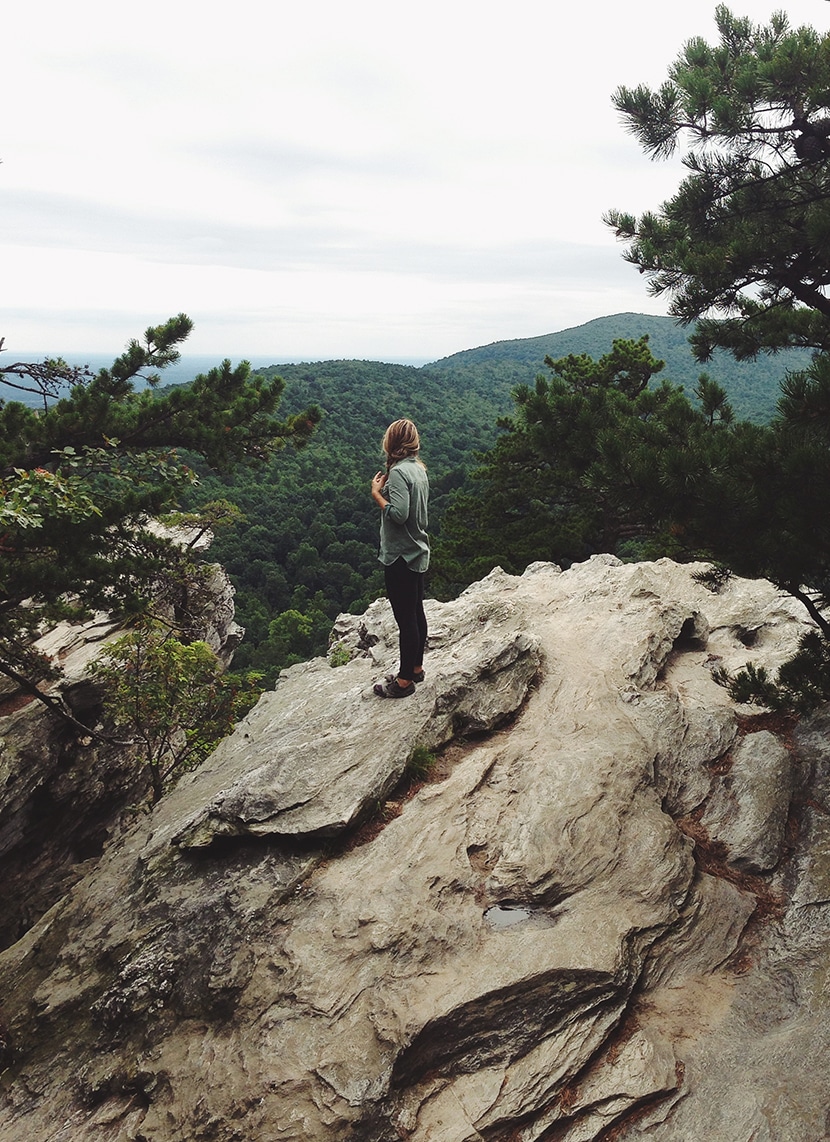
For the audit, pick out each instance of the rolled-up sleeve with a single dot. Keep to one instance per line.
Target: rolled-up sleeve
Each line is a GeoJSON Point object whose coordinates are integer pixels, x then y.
{"type": "Point", "coordinates": [397, 490]}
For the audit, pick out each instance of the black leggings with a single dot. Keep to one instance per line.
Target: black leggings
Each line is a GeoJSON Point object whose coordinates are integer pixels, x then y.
{"type": "Point", "coordinates": [405, 590]}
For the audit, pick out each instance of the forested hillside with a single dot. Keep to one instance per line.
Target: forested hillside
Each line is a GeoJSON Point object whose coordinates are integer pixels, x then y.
{"type": "Point", "coordinates": [308, 547]}
{"type": "Point", "coordinates": [752, 386]}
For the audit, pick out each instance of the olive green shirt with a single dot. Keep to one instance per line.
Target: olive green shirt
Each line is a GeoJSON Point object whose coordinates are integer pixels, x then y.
{"type": "Point", "coordinates": [404, 520]}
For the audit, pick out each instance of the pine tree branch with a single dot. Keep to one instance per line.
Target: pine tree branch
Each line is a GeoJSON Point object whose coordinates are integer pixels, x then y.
{"type": "Point", "coordinates": [812, 608]}
{"type": "Point", "coordinates": [807, 294]}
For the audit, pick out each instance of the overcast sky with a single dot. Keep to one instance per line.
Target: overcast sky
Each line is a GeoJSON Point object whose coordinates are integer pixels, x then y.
{"type": "Point", "coordinates": [339, 178]}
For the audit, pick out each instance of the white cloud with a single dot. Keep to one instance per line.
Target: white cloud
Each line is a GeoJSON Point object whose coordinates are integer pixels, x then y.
{"type": "Point", "coordinates": [325, 179]}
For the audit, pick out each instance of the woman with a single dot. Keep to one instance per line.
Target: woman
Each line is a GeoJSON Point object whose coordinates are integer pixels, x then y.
{"type": "Point", "coordinates": [402, 494]}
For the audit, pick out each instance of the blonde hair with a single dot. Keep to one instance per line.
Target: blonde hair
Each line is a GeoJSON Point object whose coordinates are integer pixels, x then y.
{"type": "Point", "coordinates": [401, 442]}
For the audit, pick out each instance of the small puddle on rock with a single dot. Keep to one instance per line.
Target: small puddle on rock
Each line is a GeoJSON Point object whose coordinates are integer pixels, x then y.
{"type": "Point", "coordinates": [506, 915]}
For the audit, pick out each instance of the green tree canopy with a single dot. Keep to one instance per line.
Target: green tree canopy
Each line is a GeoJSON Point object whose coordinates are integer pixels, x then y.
{"type": "Point", "coordinates": [742, 246]}
{"type": "Point", "coordinates": [597, 459]}
{"type": "Point", "coordinates": [86, 477]}
{"type": "Point", "coordinates": [173, 699]}
{"type": "Point", "coordinates": [569, 476]}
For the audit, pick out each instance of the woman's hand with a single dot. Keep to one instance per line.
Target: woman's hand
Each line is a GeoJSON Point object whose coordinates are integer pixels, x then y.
{"type": "Point", "coordinates": [378, 484]}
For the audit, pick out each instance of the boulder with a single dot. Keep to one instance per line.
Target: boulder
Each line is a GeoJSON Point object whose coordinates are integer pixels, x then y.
{"type": "Point", "coordinates": [535, 943]}
{"type": "Point", "coordinates": [320, 750]}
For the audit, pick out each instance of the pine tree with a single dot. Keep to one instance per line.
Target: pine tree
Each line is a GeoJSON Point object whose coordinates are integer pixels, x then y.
{"type": "Point", "coordinates": [742, 246]}
{"type": "Point", "coordinates": [86, 478]}
{"type": "Point", "coordinates": [578, 469]}
{"type": "Point", "coordinates": [742, 249]}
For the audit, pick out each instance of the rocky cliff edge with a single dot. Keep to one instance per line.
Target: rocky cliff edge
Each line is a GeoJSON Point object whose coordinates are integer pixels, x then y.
{"type": "Point", "coordinates": [603, 915]}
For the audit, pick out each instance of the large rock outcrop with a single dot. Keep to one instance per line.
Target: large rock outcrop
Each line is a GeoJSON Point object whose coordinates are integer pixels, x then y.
{"type": "Point", "coordinates": [63, 795]}
{"type": "Point", "coordinates": [592, 922]}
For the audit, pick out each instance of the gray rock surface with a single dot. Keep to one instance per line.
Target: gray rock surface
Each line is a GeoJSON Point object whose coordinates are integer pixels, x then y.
{"type": "Point", "coordinates": [299, 764]}
{"type": "Point", "coordinates": [62, 796]}
{"type": "Point", "coordinates": [544, 941]}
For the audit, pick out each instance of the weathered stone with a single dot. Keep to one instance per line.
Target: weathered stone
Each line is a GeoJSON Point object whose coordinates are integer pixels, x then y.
{"type": "Point", "coordinates": [690, 734]}
{"type": "Point", "coordinates": [527, 950]}
{"type": "Point", "coordinates": [712, 922]}
{"type": "Point", "coordinates": [63, 795]}
{"type": "Point", "coordinates": [322, 748]}
{"type": "Point", "coordinates": [749, 805]}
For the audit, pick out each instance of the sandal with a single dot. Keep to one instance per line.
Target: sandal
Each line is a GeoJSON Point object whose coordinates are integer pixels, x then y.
{"type": "Point", "coordinates": [391, 689]}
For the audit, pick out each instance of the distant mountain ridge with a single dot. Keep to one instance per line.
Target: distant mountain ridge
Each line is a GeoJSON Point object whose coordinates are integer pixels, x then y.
{"type": "Point", "coordinates": [753, 386]}
{"type": "Point", "coordinates": [492, 370]}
